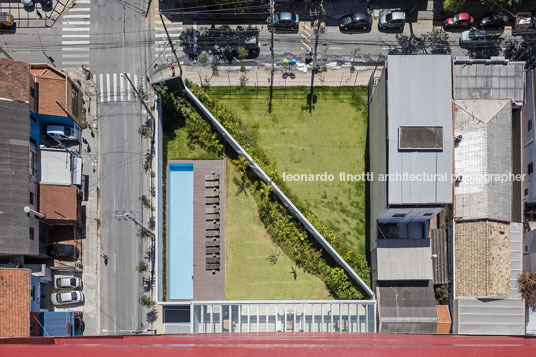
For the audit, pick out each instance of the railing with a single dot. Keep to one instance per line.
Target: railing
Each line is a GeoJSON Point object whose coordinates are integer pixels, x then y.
{"type": "Point", "coordinates": [345, 316]}
{"type": "Point", "coordinates": [275, 189]}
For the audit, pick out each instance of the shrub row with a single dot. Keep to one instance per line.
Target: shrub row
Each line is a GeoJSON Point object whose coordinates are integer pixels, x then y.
{"type": "Point", "coordinates": [286, 231]}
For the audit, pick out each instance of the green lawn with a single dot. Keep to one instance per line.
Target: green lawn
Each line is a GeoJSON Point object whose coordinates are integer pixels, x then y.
{"type": "Point", "coordinates": [332, 139]}
{"type": "Point", "coordinates": [249, 273]}
{"type": "Point", "coordinates": [178, 149]}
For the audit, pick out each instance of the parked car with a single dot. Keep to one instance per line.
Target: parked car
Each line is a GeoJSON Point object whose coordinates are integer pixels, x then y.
{"type": "Point", "coordinates": [393, 20]}
{"type": "Point", "coordinates": [71, 297]}
{"type": "Point", "coordinates": [462, 20]}
{"type": "Point", "coordinates": [62, 281]}
{"type": "Point", "coordinates": [497, 21]}
{"type": "Point", "coordinates": [6, 20]}
{"type": "Point", "coordinates": [285, 21]}
{"type": "Point", "coordinates": [64, 251]}
{"type": "Point", "coordinates": [355, 21]}
{"type": "Point", "coordinates": [28, 3]}
{"type": "Point", "coordinates": [61, 132]}
{"type": "Point", "coordinates": [477, 38]}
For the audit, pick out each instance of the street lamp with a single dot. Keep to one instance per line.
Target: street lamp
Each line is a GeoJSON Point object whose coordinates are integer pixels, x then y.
{"type": "Point", "coordinates": [27, 210]}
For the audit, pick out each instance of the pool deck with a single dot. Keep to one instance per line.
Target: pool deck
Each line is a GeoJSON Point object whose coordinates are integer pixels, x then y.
{"type": "Point", "coordinates": [207, 286]}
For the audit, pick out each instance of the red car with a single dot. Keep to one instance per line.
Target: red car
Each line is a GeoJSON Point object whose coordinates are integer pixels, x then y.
{"type": "Point", "coordinates": [459, 20]}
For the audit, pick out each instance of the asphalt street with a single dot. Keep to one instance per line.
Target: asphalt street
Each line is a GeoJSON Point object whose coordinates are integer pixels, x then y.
{"type": "Point", "coordinates": [118, 32]}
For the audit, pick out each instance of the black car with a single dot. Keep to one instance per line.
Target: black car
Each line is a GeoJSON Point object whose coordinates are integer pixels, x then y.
{"type": "Point", "coordinates": [64, 251]}
{"type": "Point", "coordinates": [355, 21]}
{"type": "Point", "coordinates": [492, 22]}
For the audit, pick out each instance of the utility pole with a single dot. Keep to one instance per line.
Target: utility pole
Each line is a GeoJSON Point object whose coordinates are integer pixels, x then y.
{"type": "Point", "coordinates": [171, 44]}
{"type": "Point", "coordinates": [127, 215]}
{"type": "Point", "coordinates": [319, 27]}
{"type": "Point", "coordinates": [270, 24]}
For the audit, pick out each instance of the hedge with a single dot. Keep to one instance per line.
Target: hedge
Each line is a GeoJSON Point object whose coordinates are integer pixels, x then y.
{"type": "Point", "coordinates": [285, 230]}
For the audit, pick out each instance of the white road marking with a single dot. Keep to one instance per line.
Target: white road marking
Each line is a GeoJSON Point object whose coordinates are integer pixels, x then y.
{"type": "Point", "coordinates": [75, 42]}
{"type": "Point", "coordinates": [79, 9]}
{"type": "Point", "coordinates": [115, 87]}
{"type": "Point", "coordinates": [82, 2]}
{"type": "Point", "coordinates": [122, 78]}
{"type": "Point", "coordinates": [136, 80]}
{"type": "Point", "coordinates": [78, 16]}
{"type": "Point", "coordinates": [74, 62]}
{"type": "Point", "coordinates": [75, 35]}
{"type": "Point", "coordinates": [79, 29]}
{"type": "Point", "coordinates": [76, 22]}
{"type": "Point", "coordinates": [78, 49]}
{"type": "Point", "coordinates": [129, 89]}
{"type": "Point", "coordinates": [101, 94]}
{"type": "Point", "coordinates": [108, 87]}
{"type": "Point", "coordinates": [69, 55]}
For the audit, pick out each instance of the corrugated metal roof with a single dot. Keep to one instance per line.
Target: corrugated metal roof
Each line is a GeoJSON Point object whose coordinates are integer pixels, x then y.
{"type": "Point", "coordinates": [490, 316]}
{"type": "Point", "coordinates": [407, 307]}
{"type": "Point", "coordinates": [419, 94]}
{"type": "Point", "coordinates": [489, 79]}
{"type": "Point", "coordinates": [516, 256]}
{"type": "Point", "coordinates": [14, 176]}
{"type": "Point", "coordinates": [484, 150]}
{"type": "Point", "coordinates": [404, 259]}
{"type": "Point", "coordinates": [440, 262]}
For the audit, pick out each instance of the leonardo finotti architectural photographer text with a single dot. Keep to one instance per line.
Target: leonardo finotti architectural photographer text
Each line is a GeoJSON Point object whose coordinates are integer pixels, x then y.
{"type": "Point", "coordinates": [402, 177]}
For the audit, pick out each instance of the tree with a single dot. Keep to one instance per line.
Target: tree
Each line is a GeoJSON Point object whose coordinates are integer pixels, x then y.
{"type": "Point", "coordinates": [242, 52]}
{"type": "Point", "coordinates": [145, 300]}
{"type": "Point", "coordinates": [141, 267]}
{"type": "Point", "coordinates": [526, 285]}
{"type": "Point", "coordinates": [241, 165]}
{"type": "Point", "coordinates": [202, 58]}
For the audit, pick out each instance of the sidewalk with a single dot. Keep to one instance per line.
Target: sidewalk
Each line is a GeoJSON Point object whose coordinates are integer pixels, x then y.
{"type": "Point", "coordinates": [260, 76]}
{"type": "Point", "coordinates": [91, 244]}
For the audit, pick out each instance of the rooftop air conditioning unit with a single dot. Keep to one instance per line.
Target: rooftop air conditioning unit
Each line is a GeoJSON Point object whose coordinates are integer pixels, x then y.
{"type": "Point", "coordinates": [77, 171]}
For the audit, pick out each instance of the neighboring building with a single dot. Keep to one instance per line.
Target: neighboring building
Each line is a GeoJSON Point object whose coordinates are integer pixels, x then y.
{"type": "Point", "coordinates": [488, 95]}
{"type": "Point", "coordinates": [39, 172]}
{"type": "Point", "coordinates": [15, 296]}
{"type": "Point", "coordinates": [411, 140]}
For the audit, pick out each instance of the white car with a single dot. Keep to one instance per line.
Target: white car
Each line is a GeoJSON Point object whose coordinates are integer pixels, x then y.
{"type": "Point", "coordinates": [27, 3]}
{"type": "Point", "coordinates": [61, 281]}
{"type": "Point", "coordinates": [61, 132]}
{"type": "Point", "coordinates": [71, 297]}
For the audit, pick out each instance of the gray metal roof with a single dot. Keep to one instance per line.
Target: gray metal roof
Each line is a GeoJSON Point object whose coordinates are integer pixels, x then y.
{"type": "Point", "coordinates": [404, 259]}
{"type": "Point", "coordinates": [489, 316]}
{"type": "Point", "coordinates": [495, 78]}
{"type": "Point", "coordinates": [485, 149]}
{"type": "Point", "coordinates": [14, 176]}
{"type": "Point", "coordinates": [419, 94]}
{"type": "Point", "coordinates": [407, 307]}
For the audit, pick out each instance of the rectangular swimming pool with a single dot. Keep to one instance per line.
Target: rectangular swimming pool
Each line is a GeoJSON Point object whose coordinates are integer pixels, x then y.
{"type": "Point", "coordinates": [181, 231]}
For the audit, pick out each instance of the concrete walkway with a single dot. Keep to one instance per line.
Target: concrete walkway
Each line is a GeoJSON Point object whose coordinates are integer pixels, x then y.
{"type": "Point", "coordinates": [260, 76]}
{"type": "Point", "coordinates": [91, 244]}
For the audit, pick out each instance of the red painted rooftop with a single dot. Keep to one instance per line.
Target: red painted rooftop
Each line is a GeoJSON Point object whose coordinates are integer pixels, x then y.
{"type": "Point", "coordinates": [272, 344]}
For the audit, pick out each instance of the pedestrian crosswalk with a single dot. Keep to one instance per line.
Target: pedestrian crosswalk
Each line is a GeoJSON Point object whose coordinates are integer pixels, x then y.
{"type": "Point", "coordinates": [75, 37]}
{"type": "Point", "coordinates": [115, 87]}
{"type": "Point", "coordinates": [162, 49]}
{"type": "Point", "coordinates": [305, 33]}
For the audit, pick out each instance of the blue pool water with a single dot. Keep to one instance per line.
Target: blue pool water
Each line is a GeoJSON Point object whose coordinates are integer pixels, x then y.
{"type": "Point", "coordinates": [181, 231]}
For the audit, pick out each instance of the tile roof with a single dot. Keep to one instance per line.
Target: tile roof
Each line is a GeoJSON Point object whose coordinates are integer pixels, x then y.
{"type": "Point", "coordinates": [58, 202]}
{"type": "Point", "coordinates": [14, 302]}
{"type": "Point", "coordinates": [15, 80]}
{"type": "Point", "coordinates": [482, 251]}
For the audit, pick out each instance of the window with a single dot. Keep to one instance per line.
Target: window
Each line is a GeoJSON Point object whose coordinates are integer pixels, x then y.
{"type": "Point", "coordinates": [531, 168]}
{"type": "Point", "coordinates": [399, 215]}
{"type": "Point", "coordinates": [31, 233]}
{"type": "Point", "coordinates": [33, 164]}
{"type": "Point", "coordinates": [529, 124]}
{"type": "Point", "coordinates": [33, 293]}
{"type": "Point", "coordinates": [428, 214]}
{"type": "Point", "coordinates": [31, 198]}
{"type": "Point", "coordinates": [420, 138]}
{"type": "Point", "coordinates": [526, 192]}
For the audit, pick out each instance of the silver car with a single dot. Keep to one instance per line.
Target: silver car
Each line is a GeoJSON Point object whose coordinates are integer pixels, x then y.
{"type": "Point", "coordinates": [393, 20]}
{"type": "Point", "coordinates": [71, 297]}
